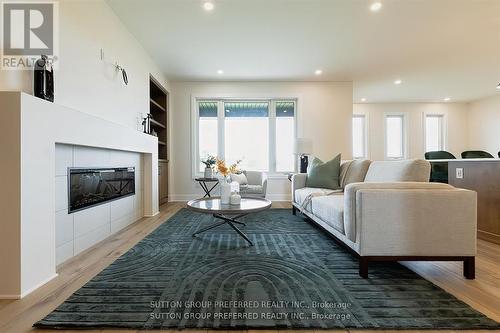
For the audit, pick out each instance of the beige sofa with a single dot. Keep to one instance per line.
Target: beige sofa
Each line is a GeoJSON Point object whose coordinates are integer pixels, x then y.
{"type": "Point", "coordinates": [388, 211]}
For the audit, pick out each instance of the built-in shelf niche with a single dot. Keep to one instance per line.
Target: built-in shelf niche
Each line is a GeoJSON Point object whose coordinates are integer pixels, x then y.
{"type": "Point", "coordinates": [158, 108]}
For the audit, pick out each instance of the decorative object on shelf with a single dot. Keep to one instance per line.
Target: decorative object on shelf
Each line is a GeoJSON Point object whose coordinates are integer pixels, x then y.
{"type": "Point", "coordinates": [225, 181]}
{"type": "Point", "coordinates": [153, 133]}
{"type": "Point", "coordinates": [303, 147]}
{"type": "Point", "coordinates": [43, 78]}
{"type": "Point", "coordinates": [146, 123]}
{"type": "Point", "coordinates": [209, 166]}
{"type": "Point", "coordinates": [235, 199]}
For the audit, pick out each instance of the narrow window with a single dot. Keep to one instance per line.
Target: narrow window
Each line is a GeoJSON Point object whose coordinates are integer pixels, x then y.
{"type": "Point", "coordinates": [434, 133]}
{"type": "Point", "coordinates": [394, 137]}
{"type": "Point", "coordinates": [285, 134]}
{"type": "Point", "coordinates": [359, 136]}
{"type": "Point", "coordinates": [207, 131]}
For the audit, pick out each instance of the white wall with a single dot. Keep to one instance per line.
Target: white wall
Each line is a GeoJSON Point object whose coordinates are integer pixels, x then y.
{"type": "Point", "coordinates": [455, 113]}
{"type": "Point", "coordinates": [483, 120]}
{"type": "Point", "coordinates": [84, 82]}
{"type": "Point", "coordinates": [80, 230]}
{"type": "Point", "coordinates": [324, 115]}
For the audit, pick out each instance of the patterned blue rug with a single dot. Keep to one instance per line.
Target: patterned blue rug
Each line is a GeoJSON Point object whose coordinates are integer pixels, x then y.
{"type": "Point", "coordinates": [294, 277]}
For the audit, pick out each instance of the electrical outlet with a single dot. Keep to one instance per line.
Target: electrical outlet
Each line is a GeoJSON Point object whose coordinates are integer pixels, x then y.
{"type": "Point", "coordinates": [459, 173]}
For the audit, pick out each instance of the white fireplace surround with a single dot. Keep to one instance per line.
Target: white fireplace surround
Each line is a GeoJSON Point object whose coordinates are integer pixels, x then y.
{"type": "Point", "coordinates": [77, 231]}
{"type": "Point", "coordinates": [30, 128]}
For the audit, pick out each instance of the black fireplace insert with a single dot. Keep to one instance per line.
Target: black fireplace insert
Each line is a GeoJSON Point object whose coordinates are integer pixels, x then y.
{"type": "Point", "coordinates": [95, 186]}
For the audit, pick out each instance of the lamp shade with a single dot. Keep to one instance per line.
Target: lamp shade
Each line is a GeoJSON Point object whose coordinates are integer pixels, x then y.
{"type": "Point", "coordinates": [303, 146]}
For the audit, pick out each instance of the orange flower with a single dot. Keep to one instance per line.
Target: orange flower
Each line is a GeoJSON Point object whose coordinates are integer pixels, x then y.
{"type": "Point", "coordinates": [224, 170]}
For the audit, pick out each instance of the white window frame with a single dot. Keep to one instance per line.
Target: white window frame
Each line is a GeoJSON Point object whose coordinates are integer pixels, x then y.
{"type": "Point", "coordinates": [366, 150]}
{"type": "Point", "coordinates": [444, 129]}
{"type": "Point", "coordinates": [195, 156]}
{"type": "Point", "coordinates": [405, 135]}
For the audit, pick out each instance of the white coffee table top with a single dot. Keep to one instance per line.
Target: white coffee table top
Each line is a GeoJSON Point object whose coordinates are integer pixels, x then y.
{"type": "Point", "coordinates": [213, 205]}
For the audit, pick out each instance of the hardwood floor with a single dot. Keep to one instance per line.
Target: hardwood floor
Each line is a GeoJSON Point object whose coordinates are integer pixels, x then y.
{"type": "Point", "coordinates": [18, 316]}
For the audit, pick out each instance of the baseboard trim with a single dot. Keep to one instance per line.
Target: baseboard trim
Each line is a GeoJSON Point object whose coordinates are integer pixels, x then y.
{"type": "Point", "coordinates": [149, 215]}
{"type": "Point", "coordinates": [10, 296]}
{"type": "Point", "coordinates": [488, 236]}
{"type": "Point", "coordinates": [29, 291]}
{"type": "Point", "coordinates": [187, 197]}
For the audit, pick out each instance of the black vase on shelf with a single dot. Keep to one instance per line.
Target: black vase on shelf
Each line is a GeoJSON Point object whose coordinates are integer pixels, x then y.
{"type": "Point", "coordinates": [43, 79]}
{"type": "Point", "coordinates": [146, 123]}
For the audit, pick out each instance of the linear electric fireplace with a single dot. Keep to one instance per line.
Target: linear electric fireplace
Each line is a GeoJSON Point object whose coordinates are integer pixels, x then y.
{"type": "Point", "coordinates": [91, 187]}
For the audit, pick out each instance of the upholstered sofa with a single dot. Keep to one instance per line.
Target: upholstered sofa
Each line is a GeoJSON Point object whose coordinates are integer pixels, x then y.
{"type": "Point", "coordinates": [388, 211]}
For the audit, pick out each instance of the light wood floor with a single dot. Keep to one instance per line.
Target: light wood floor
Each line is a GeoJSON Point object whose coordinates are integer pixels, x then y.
{"type": "Point", "coordinates": [17, 316]}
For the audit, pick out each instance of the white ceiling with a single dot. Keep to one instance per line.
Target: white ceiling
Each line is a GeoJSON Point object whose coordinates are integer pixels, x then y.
{"type": "Point", "coordinates": [439, 48]}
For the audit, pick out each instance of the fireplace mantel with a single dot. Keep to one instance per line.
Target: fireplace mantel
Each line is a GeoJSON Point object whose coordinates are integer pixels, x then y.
{"type": "Point", "coordinates": [29, 129]}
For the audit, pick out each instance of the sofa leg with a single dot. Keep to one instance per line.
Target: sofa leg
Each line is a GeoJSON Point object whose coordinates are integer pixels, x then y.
{"type": "Point", "coordinates": [363, 267]}
{"type": "Point", "coordinates": [294, 210]}
{"type": "Point", "coordinates": [470, 268]}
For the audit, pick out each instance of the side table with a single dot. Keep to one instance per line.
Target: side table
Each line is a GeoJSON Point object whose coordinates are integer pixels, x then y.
{"type": "Point", "coordinates": [203, 183]}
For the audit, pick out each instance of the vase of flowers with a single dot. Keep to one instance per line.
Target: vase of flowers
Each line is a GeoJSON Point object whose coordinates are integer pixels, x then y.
{"type": "Point", "coordinates": [224, 180]}
{"type": "Point", "coordinates": [209, 166]}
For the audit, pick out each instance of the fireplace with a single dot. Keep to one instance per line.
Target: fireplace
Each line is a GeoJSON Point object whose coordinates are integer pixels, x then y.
{"type": "Point", "coordinates": [94, 186]}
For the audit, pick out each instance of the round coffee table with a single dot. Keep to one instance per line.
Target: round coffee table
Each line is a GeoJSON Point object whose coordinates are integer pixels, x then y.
{"type": "Point", "coordinates": [228, 213]}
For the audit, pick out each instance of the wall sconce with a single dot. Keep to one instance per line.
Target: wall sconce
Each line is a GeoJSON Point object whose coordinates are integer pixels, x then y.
{"type": "Point", "coordinates": [124, 73]}
{"type": "Point", "coordinates": [117, 66]}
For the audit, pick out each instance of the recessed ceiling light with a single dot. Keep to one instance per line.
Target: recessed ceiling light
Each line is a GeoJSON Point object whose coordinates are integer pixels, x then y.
{"type": "Point", "coordinates": [208, 6]}
{"type": "Point", "coordinates": [318, 72]}
{"type": "Point", "coordinates": [398, 81]}
{"type": "Point", "coordinates": [363, 99]}
{"type": "Point", "coordinates": [375, 7]}
{"type": "Point", "coordinates": [446, 99]}
{"type": "Point", "coordinates": [220, 72]}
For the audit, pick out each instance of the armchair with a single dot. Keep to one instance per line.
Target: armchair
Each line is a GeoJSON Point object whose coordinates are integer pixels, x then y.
{"type": "Point", "coordinates": [257, 184]}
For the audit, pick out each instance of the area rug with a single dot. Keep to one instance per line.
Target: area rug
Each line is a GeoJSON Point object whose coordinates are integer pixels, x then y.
{"type": "Point", "coordinates": [295, 276]}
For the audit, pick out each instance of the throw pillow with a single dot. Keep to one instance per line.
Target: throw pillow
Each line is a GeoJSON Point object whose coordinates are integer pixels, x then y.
{"type": "Point", "coordinates": [240, 178]}
{"type": "Point", "coordinates": [324, 175]}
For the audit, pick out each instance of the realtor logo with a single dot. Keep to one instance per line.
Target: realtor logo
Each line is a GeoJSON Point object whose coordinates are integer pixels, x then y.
{"type": "Point", "coordinates": [28, 31]}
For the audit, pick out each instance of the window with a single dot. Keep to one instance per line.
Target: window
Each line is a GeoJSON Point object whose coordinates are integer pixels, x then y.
{"type": "Point", "coordinates": [285, 136]}
{"type": "Point", "coordinates": [359, 137]}
{"type": "Point", "coordinates": [207, 128]}
{"type": "Point", "coordinates": [260, 133]}
{"type": "Point", "coordinates": [434, 132]}
{"type": "Point", "coordinates": [395, 136]}
{"type": "Point", "coordinates": [246, 134]}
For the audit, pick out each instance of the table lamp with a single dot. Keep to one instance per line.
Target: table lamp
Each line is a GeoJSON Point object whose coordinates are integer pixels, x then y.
{"type": "Point", "coordinates": [303, 147]}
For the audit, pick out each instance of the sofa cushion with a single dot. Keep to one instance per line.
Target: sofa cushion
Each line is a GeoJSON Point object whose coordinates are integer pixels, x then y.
{"type": "Point", "coordinates": [240, 178]}
{"type": "Point", "coordinates": [324, 174]}
{"type": "Point", "coordinates": [302, 193]}
{"type": "Point", "coordinates": [344, 166]}
{"type": "Point", "coordinates": [330, 209]}
{"type": "Point", "coordinates": [251, 189]}
{"type": "Point", "coordinates": [416, 170]}
{"type": "Point", "coordinates": [353, 172]}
